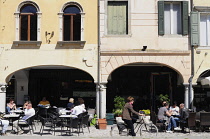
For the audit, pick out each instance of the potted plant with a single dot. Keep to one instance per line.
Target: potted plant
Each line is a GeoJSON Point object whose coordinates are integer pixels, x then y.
{"type": "Point", "coordinates": [118, 106]}
{"type": "Point", "coordinates": [164, 98]}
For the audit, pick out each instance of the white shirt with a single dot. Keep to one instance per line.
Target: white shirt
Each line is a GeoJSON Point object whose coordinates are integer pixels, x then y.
{"type": "Point", "coordinates": [83, 105]}
{"type": "Point", "coordinates": [28, 113]}
{"type": "Point", "coordinates": [175, 111]}
{"type": "Point", "coordinates": [78, 110]}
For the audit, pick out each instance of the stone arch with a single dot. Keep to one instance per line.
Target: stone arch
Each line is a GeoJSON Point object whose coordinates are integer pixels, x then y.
{"type": "Point", "coordinates": [177, 63]}
{"type": "Point", "coordinates": [8, 77]}
{"type": "Point", "coordinates": [71, 3]}
{"type": "Point", "coordinates": [27, 2]}
{"type": "Point", "coordinates": [199, 75]}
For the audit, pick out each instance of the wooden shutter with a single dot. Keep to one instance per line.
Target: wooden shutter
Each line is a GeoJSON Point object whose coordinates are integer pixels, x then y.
{"type": "Point", "coordinates": [161, 17]}
{"type": "Point", "coordinates": [185, 18]}
{"type": "Point", "coordinates": [117, 18]}
{"type": "Point", "coordinates": [195, 32]}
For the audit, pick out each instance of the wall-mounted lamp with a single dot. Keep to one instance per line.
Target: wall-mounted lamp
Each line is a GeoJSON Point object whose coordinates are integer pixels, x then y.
{"type": "Point", "coordinates": [84, 59]}
{"type": "Point", "coordinates": [144, 48]}
{"type": "Point", "coordinates": [3, 87]}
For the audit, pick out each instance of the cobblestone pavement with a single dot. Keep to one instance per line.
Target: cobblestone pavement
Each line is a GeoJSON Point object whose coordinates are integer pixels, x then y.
{"type": "Point", "coordinates": [103, 134]}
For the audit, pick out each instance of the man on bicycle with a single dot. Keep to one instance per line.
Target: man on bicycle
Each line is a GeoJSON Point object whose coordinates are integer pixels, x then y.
{"type": "Point", "coordinates": [127, 114]}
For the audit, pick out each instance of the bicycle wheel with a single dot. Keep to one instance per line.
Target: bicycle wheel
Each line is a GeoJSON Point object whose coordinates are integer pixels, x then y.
{"type": "Point", "coordinates": [148, 130]}
{"type": "Point", "coordinates": [116, 132]}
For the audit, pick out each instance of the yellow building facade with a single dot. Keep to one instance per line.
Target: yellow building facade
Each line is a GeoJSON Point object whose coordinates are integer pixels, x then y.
{"type": "Point", "coordinates": [40, 37]}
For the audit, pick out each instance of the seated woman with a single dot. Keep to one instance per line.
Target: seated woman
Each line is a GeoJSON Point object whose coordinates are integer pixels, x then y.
{"type": "Point", "coordinates": [44, 102]}
{"type": "Point", "coordinates": [78, 109]}
{"type": "Point", "coordinates": [11, 105]}
{"type": "Point", "coordinates": [81, 102]}
{"type": "Point", "coordinates": [174, 109]}
{"type": "Point", "coordinates": [70, 105]}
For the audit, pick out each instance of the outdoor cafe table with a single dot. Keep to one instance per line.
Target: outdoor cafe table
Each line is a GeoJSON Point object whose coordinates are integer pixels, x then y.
{"type": "Point", "coordinates": [16, 111]}
{"type": "Point", "coordinates": [70, 117]}
{"type": "Point", "coordinates": [12, 117]}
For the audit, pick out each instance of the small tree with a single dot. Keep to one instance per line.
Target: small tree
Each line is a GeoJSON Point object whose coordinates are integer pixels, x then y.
{"type": "Point", "coordinates": [118, 106]}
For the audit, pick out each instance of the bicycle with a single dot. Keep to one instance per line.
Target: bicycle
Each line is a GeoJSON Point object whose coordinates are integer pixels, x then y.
{"type": "Point", "coordinates": [147, 128]}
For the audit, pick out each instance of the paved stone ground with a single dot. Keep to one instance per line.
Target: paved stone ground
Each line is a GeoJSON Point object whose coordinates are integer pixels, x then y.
{"type": "Point", "coordinates": [102, 134]}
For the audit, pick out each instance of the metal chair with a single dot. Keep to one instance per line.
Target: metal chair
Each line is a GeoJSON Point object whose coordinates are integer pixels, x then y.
{"type": "Point", "coordinates": [71, 124]}
{"type": "Point", "coordinates": [85, 122]}
{"type": "Point", "coordinates": [45, 123]}
{"type": "Point", "coordinates": [55, 120]}
{"type": "Point", "coordinates": [28, 123]}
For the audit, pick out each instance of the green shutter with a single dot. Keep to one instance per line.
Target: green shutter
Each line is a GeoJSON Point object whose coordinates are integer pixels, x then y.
{"type": "Point", "coordinates": [161, 17]}
{"type": "Point", "coordinates": [185, 18]}
{"type": "Point", "coordinates": [195, 32]}
{"type": "Point", "coordinates": [117, 18]}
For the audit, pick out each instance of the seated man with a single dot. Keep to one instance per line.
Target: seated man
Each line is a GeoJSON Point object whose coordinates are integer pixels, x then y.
{"type": "Point", "coordinates": [184, 114]}
{"type": "Point", "coordinates": [44, 102]}
{"type": "Point", "coordinates": [164, 115]}
{"type": "Point", "coordinates": [29, 112]}
{"type": "Point", "coordinates": [5, 124]}
{"type": "Point", "coordinates": [70, 105]}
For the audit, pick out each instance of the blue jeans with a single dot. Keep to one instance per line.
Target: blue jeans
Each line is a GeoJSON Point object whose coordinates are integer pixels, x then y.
{"type": "Point", "coordinates": [8, 109]}
{"type": "Point", "coordinates": [5, 124]}
{"type": "Point", "coordinates": [172, 122]}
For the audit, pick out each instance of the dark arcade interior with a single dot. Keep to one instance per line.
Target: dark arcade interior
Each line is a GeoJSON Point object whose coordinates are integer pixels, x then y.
{"type": "Point", "coordinates": [145, 84]}
{"type": "Point", "coordinates": [58, 85]}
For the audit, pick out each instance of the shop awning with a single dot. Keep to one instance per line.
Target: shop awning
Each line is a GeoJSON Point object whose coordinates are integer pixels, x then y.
{"type": "Point", "coordinates": [205, 81]}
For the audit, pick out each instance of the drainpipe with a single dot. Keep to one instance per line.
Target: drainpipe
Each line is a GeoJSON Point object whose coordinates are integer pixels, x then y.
{"type": "Point", "coordinates": [98, 95]}
{"type": "Point", "coordinates": [191, 94]}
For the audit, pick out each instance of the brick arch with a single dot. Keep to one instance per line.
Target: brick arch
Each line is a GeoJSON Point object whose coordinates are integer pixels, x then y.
{"type": "Point", "coordinates": [180, 64]}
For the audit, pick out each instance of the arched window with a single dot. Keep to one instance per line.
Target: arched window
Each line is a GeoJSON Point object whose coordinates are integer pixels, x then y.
{"type": "Point", "coordinates": [27, 20]}
{"type": "Point", "coordinates": [28, 23]}
{"type": "Point", "coordinates": [71, 23]}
